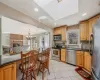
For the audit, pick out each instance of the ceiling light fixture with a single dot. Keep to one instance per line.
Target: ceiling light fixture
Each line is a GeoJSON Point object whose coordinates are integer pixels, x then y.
{"type": "Point", "coordinates": [84, 14]}
{"type": "Point", "coordinates": [59, 0]}
{"type": "Point", "coordinates": [36, 9]}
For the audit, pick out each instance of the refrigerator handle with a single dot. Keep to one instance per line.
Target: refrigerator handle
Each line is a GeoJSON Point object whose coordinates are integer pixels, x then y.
{"type": "Point", "coordinates": [91, 44]}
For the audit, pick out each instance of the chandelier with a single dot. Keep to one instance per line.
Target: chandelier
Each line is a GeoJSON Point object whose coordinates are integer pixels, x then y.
{"type": "Point", "coordinates": [29, 37]}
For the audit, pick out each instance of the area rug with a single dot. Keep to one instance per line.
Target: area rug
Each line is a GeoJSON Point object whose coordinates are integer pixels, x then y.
{"type": "Point", "coordinates": [83, 74]}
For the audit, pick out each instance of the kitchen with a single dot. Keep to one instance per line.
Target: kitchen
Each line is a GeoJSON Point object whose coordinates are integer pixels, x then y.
{"type": "Point", "coordinates": [72, 44]}
{"type": "Point", "coordinates": [67, 31]}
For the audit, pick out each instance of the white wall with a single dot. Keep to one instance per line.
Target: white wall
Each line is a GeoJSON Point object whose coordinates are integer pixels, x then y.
{"type": "Point", "coordinates": [6, 39]}
{"type": "Point", "coordinates": [16, 27]}
{"type": "Point", "coordinates": [0, 38]}
{"type": "Point", "coordinates": [12, 26]}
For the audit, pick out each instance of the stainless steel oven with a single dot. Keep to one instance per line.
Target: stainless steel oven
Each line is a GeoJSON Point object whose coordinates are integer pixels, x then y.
{"type": "Point", "coordinates": [56, 54]}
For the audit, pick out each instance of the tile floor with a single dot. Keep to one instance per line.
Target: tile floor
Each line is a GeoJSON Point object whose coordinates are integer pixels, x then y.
{"type": "Point", "coordinates": [60, 71]}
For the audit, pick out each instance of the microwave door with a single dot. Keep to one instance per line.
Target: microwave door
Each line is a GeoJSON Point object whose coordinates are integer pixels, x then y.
{"type": "Point", "coordinates": [54, 37]}
{"type": "Point", "coordinates": [96, 51]}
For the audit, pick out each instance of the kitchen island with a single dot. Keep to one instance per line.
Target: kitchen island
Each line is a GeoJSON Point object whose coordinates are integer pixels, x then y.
{"type": "Point", "coordinates": [9, 67]}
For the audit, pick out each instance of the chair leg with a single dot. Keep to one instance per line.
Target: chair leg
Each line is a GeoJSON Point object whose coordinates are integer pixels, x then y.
{"type": "Point", "coordinates": [39, 69]}
{"type": "Point", "coordinates": [31, 75]}
{"type": "Point", "coordinates": [43, 76]}
{"type": "Point", "coordinates": [48, 71]}
{"type": "Point", "coordinates": [26, 76]}
{"type": "Point", "coordinates": [22, 76]}
{"type": "Point", "coordinates": [34, 75]}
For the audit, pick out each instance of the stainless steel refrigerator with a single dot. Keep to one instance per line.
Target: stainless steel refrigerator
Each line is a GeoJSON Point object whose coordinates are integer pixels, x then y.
{"type": "Point", "coordinates": [95, 51]}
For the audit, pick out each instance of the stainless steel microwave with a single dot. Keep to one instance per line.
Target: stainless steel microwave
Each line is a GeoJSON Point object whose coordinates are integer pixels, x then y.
{"type": "Point", "coordinates": [57, 38]}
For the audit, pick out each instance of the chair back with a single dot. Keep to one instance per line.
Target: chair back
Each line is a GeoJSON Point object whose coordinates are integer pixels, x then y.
{"type": "Point", "coordinates": [44, 58]}
{"type": "Point", "coordinates": [28, 60]}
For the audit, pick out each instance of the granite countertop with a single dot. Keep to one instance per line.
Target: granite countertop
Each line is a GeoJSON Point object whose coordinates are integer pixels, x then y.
{"type": "Point", "coordinates": [78, 49]}
{"type": "Point", "coordinates": [59, 48]}
{"type": "Point", "coordinates": [5, 59]}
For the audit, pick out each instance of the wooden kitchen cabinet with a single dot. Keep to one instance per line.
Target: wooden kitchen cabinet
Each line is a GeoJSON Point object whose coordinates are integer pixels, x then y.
{"type": "Point", "coordinates": [16, 38]}
{"type": "Point", "coordinates": [8, 72]}
{"type": "Point", "coordinates": [79, 58]}
{"type": "Point", "coordinates": [92, 21]}
{"type": "Point", "coordinates": [87, 61]}
{"type": "Point", "coordinates": [83, 26]}
{"type": "Point", "coordinates": [57, 31]}
{"type": "Point", "coordinates": [64, 33]}
{"type": "Point", "coordinates": [1, 75]}
{"type": "Point", "coordinates": [63, 55]}
{"type": "Point", "coordinates": [60, 30]}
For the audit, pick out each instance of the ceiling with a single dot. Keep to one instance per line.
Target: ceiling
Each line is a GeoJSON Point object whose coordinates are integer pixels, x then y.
{"type": "Point", "coordinates": [58, 10]}
{"type": "Point", "coordinates": [54, 14]}
{"type": "Point", "coordinates": [16, 27]}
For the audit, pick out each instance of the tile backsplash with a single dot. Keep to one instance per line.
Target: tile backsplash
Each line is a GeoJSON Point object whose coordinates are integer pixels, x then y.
{"type": "Point", "coordinates": [85, 45]}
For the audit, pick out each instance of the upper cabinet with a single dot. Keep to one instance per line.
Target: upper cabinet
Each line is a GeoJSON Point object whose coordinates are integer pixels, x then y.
{"type": "Point", "coordinates": [83, 26]}
{"type": "Point", "coordinates": [86, 28]}
{"type": "Point", "coordinates": [60, 30]}
{"type": "Point", "coordinates": [92, 21]}
{"type": "Point", "coordinates": [57, 31]}
{"type": "Point", "coordinates": [64, 33]}
{"type": "Point", "coordinates": [16, 38]}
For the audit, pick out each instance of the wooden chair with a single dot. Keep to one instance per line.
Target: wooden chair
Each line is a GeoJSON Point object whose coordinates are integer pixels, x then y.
{"type": "Point", "coordinates": [44, 62]}
{"type": "Point", "coordinates": [28, 65]}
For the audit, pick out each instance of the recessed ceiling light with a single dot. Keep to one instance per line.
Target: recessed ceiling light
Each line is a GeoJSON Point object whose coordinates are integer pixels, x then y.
{"type": "Point", "coordinates": [55, 24]}
{"type": "Point", "coordinates": [43, 17]}
{"type": "Point", "coordinates": [84, 14]}
{"type": "Point", "coordinates": [36, 9]}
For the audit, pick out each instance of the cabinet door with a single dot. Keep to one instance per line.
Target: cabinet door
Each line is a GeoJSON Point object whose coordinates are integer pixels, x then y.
{"type": "Point", "coordinates": [79, 58]}
{"type": "Point", "coordinates": [91, 23]}
{"type": "Point", "coordinates": [57, 31]}
{"type": "Point", "coordinates": [1, 75]}
{"type": "Point", "coordinates": [9, 72]}
{"type": "Point", "coordinates": [63, 55]}
{"type": "Point", "coordinates": [87, 61]}
{"type": "Point", "coordinates": [64, 33]}
{"type": "Point", "coordinates": [83, 30]}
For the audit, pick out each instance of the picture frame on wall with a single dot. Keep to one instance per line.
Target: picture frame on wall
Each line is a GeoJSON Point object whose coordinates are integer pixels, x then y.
{"type": "Point", "coordinates": [73, 37]}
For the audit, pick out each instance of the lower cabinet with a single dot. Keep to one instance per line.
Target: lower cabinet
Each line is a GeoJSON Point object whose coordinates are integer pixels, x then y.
{"type": "Point", "coordinates": [63, 55]}
{"type": "Point", "coordinates": [8, 72]}
{"type": "Point", "coordinates": [1, 75]}
{"type": "Point", "coordinates": [83, 59]}
{"type": "Point", "coordinates": [79, 58]}
{"type": "Point", "coordinates": [87, 61]}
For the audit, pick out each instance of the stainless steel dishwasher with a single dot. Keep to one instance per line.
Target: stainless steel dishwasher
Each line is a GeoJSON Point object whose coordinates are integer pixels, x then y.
{"type": "Point", "coordinates": [71, 57]}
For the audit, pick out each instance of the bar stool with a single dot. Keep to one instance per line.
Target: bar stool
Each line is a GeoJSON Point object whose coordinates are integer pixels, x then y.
{"type": "Point", "coordinates": [44, 62]}
{"type": "Point", "coordinates": [28, 65]}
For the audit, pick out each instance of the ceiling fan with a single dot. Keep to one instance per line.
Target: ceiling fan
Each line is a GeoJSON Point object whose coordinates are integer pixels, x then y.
{"type": "Point", "coordinates": [59, 1]}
